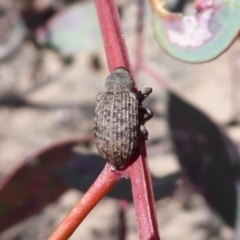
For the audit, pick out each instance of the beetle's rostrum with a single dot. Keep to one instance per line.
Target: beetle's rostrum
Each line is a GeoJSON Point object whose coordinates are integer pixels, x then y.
{"type": "Point", "coordinates": [116, 118]}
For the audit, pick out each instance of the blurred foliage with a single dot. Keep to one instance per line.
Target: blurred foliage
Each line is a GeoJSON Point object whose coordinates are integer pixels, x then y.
{"type": "Point", "coordinates": [200, 37]}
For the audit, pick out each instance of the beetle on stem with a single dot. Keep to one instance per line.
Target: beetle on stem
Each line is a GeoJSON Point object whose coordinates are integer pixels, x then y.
{"type": "Point", "coordinates": [117, 118]}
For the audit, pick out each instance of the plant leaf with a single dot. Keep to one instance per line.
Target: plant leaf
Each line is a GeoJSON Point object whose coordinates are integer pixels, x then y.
{"type": "Point", "coordinates": [34, 184]}
{"type": "Point", "coordinates": [207, 156]}
{"type": "Point", "coordinates": [75, 29]}
{"type": "Point", "coordinates": [83, 169]}
{"type": "Point", "coordinates": [47, 174]}
{"type": "Point", "coordinates": [201, 37]}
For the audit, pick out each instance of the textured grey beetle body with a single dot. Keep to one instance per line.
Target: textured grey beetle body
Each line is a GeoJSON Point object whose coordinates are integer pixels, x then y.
{"type": "Point", "coordinates": [117, 119]}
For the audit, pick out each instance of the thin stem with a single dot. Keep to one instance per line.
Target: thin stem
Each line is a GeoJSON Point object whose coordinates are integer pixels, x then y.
{"type": "Point", "coordinates": [139, 172]}
{"type": "Point", "coordinates": [143, 196]}
{"type": "Point", "coordinates": [140, 63]}
{"type": "Point", "coordinates": [235, 83]}
{"type": "Point", "coordinates": [155, 76]}
{"type": "Point", "coordinates": [113, 38]}
{"type": "Point", "coordinates": [139, 36]}
{"type": "Point", "coordinates": [103, 184]}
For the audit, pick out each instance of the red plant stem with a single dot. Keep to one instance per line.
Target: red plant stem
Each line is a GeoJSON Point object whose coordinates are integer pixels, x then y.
{"type": "Point", "coordinates": [139, 173]}
{"type": "Point", "coordinates": [139, 36]}
{"type": "Point", "coordinates": [155, 75]}
{"type": "Point", "coordinates": [103, 184]}
{"type": "Point", "coordinates": [117, 56]}
{"type": "Point", "coordinates": [235, 84]}
{"type": "Point", "coordinates": [143, 196]}
{"type": "Point", "coordinates": [113, 38]}
{"type": "Point", "coordinates": [140, 63]}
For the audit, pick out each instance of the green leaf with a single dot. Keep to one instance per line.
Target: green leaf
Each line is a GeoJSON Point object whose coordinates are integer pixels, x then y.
{"type": "Point", "coordinates": [198, 38]}
{"type": "Point", "coordinates": [75, 29]}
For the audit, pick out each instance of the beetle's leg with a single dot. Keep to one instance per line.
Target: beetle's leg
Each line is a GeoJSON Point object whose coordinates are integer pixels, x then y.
{"type": "Point", "coordinates": [144, 132]}
{"type": "Point", "coordinates": [144, 93]}
{"type": "Point", "coordinates": [147, 112]}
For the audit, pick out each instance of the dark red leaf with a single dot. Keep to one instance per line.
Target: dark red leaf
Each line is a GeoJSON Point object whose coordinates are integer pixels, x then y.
{"type": "Point", "coordinates": [82, 170]}
{"type": "Point", "coordinates": [208, 157]}
{"type": "Point", "coordinates": [33, 185]}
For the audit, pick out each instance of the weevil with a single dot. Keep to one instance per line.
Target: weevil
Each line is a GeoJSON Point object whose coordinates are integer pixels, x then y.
{"type": "Point", "coordinates": [116, 120]}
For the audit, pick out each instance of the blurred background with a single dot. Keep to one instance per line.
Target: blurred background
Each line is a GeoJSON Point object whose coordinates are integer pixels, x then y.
{"type": "Point", "coordinates": [53, 65]}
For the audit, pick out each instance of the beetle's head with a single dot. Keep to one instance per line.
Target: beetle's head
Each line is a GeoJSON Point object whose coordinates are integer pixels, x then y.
{"type": "Point", "coordinates": [119, 80]}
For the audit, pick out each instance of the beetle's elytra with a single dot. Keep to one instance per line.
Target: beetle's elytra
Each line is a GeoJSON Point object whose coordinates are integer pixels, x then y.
{"type": "Point", "coordinates": [117, 118]}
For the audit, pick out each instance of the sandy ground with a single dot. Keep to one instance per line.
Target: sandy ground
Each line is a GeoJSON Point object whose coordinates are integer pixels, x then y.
{"type": "Point", "coordinates": [208, 86]}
